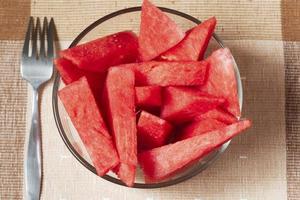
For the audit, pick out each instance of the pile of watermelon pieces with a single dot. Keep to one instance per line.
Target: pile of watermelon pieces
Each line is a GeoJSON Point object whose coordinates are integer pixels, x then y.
{"type": "Point", "coordinates": [151, 100]}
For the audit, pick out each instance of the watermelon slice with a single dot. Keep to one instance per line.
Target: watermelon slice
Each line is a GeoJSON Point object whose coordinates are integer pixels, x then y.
{"type": "Point", "coordinates": [98, 55]}
{"type": "Point", "coordinates": [200, 127]}
{"type": "Point", "coordinates": [186, 73]}
{"type": "Point", "coordinates": [158, 32]}
{"type": "Point", "coordinates": [218, 114]}
{"type": "Point", "coordinates": [181, 104]}
{"type": "Point", "coordinates": [81, 106]}
{"type": "Point", "coordinates": [119, 95]}
{"type": "Point", "coordinates": [126, 172]}
{"type": "Point", "coordinates": [152, 131]}
{"type": "Point", "coordinates": [221, 81]}
{"type": "Point", "coordinates": [162, 162]}
{"type": "Point", "coordinates": [194, 45]}
{"type": "Point", "coordinates": [148, 97]}
{"type": "Point", "coordinates": [68, 71]}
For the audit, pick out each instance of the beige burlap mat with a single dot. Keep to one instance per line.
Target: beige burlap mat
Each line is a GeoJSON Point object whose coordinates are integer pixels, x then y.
{"type": "Point", "coordinates": [261, 164]}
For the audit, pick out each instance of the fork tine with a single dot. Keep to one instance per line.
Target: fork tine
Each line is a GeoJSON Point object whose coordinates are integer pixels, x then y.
{"type": "Point", "coordinates": [42, 38]}
{"type": "Point", "coordinates": [27, 37]}
{"type": "Point", "coordinates": [50, 39]}
{"type": "Point", "coordinates": [34, 38]}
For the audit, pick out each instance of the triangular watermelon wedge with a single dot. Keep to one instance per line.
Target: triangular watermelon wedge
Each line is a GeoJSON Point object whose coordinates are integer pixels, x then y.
{"type": "Point", "coordinates": [70, 73]}
{"type": "Point", "coordinates": [148, 97]}
{"type": "Point", "coordinates": [165, 73]}
{"type": "Point", "coordinates": [119, 98]}
{"type": "Point", "coordinates": [181, 104]}
{"type": "Point", "coordinates": [152, 131]}
{"type": "Point", "coordinates": [194, 45]}
{"type": "Point", "coordinates": [81, 106]}
{"type": "Point", "coordinates": [199, 127]}
{"type": "Point", "coordinates": [100, 54]}
{"type": "Point", "coordinates": [162, 162]}
{"type": "Point", "coordinates": [218, 114]}
{"type": "Point", "coordinates": [221, 81]}
{"type": "Point", "coordinates": [158, 32]}
{"type": "Point", "coordinates": [126, 172]}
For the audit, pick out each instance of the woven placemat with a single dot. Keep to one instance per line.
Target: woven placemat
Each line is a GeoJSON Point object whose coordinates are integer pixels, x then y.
{"type": "Point", "coordinates": [261, 164]}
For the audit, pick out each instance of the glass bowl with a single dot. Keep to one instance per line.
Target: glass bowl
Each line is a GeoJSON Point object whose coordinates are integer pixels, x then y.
{"type": "Point", "coordinates": [129, 19]}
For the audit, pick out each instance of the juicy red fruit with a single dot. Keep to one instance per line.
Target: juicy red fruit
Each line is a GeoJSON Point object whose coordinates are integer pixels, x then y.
{"type": "Point", "coordinates": [70, 73]}
{"type": "Point", "coordinates": [158, 73]}
{"type": "Point", "coordinates": [119, 94]}
{"type": "Point", "coordinates": [221, 81]}
{"type": "Point", "coordinates": [158, 32]}
{"type": "Point", "coordinates": [81, 106]}
{"type": "Point", "coordinates": [161, 162]}
{"type": "Point", "coordinates": [148, 97]}
{"type": "Point", "coordinates": [152, 131]}
{"type": "Point", "coordinates": [199, 127]}
{"type": "Point", "coordinates": [98, 55]}
{"type": "Point", "coordinates": [194, 45]}
{"type": "Point", "coordinates": [218, 114]}
{"type": "Point", "coordinates": [186, 73]}
{"type": "Point", "coordinates": [181, 104]}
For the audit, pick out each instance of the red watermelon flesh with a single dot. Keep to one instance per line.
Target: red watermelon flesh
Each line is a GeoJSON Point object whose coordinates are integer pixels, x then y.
{"type": "Point", "coordinates": [221, 81]}
{"type": "Point", "coordinates": [164, 73]}
{"type": "Point", "coordinates": [181, 104]}
{"type": "Point", "coordinates": [81, 106]}
{"type": "Point", "coordinates": [126, 172]}
{"type": "Point", "coordinates": [200, 127]}
{"type": "Point", "coordinates": [148, 97]}
{"type": "Point", "coordinates": [70, 73]}
{"type": "Point", "coordinates": [119, 95]}
{"type": "Point", "coordinates": [96, 82]}
{"type": "Point", "coordinates": [98, 55]}
{"type": "Point", "coordinates": [194, 45]}
{"type": "Point", "coordinates": [161, 162]}
{"type": "Point", "coordinates": [152, 131]}
{"type": "Point", "coordinates": [218, 114]}
{"type": "Point", "coordinates": [158, 32]}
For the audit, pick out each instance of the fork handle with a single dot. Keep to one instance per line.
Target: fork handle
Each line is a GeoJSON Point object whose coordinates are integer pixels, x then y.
{"type": "Point", "coordinates": [32, 160]}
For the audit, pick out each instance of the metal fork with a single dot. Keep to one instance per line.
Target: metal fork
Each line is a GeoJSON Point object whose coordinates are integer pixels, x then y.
{"type": "Point", "coordinates": [36, 69]}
